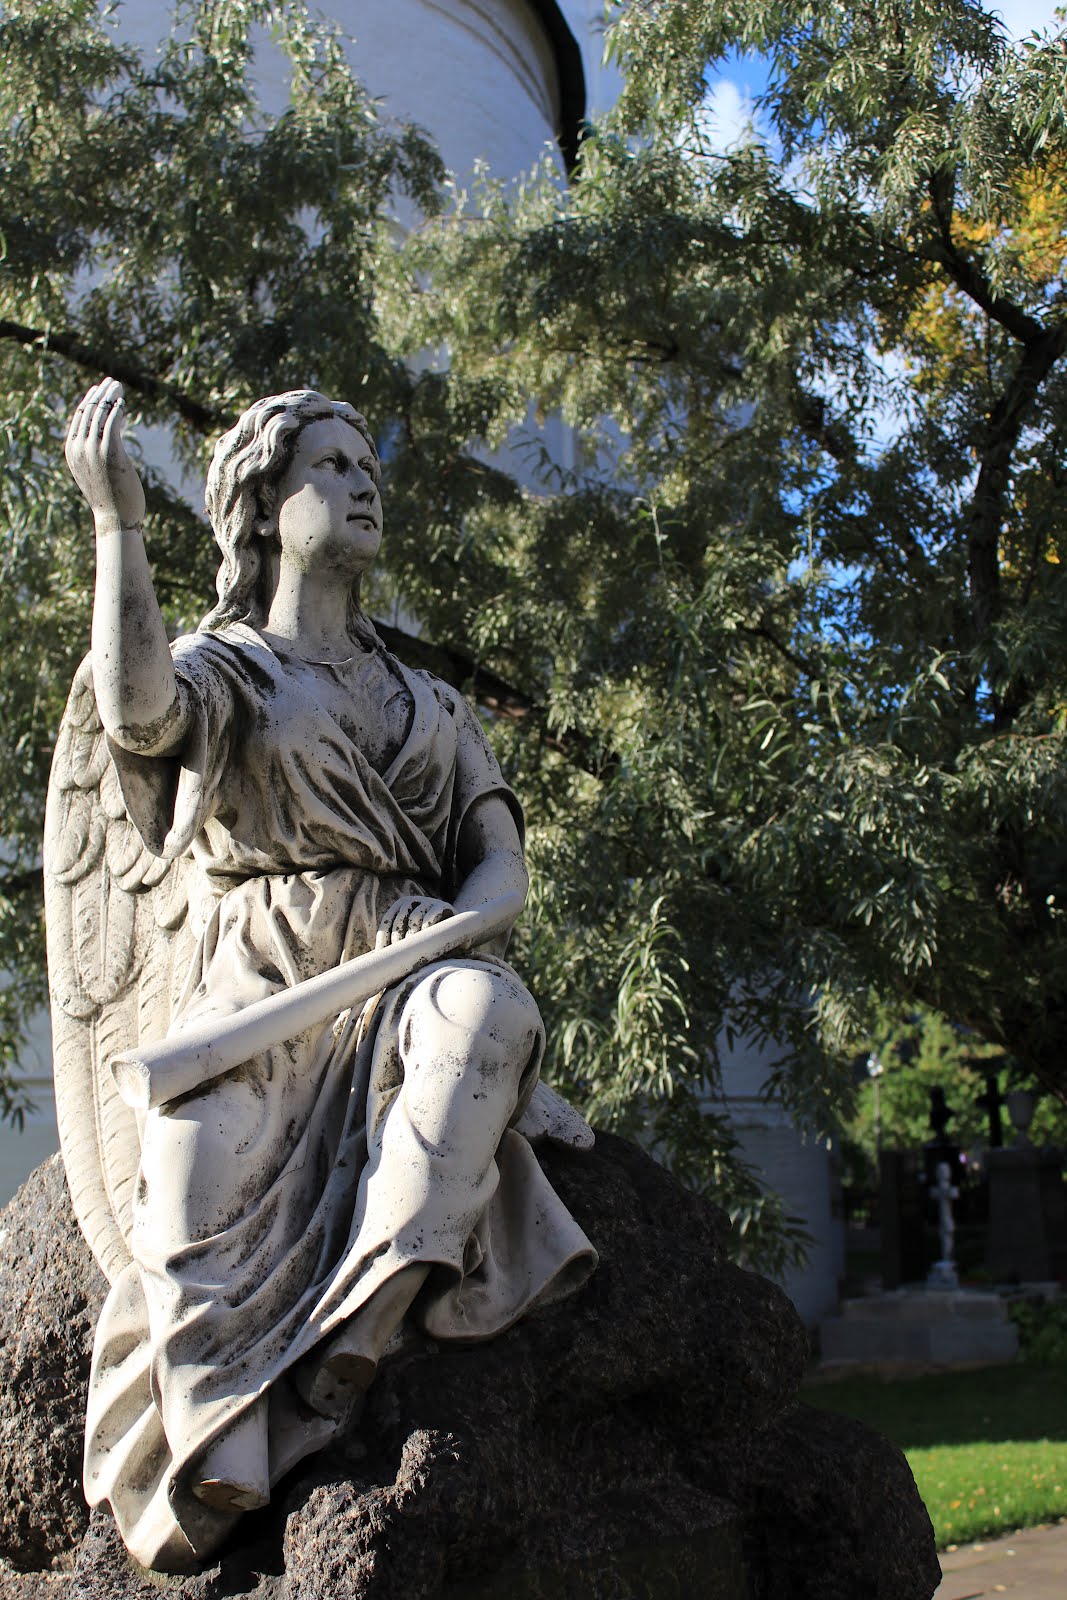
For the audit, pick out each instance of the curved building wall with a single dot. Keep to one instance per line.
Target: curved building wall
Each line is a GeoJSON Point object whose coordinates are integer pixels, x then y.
{"type": "Point", "coordinates": [481, 76]}
{"type": "Point", "coordinates": [796, 1163]}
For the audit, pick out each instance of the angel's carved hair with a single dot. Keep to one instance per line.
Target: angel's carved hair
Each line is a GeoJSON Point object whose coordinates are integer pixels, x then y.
{"type": "Point", "coordinates": [241, 495]}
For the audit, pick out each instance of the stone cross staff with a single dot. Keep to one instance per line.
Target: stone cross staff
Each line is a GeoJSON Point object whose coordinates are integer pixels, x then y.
{"type": "Point", "coordinates": [944, 1193]}
{"type": "Point", "coordinates": [154, 1074]}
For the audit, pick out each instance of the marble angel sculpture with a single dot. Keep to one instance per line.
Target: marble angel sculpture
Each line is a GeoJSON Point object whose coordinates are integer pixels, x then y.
{"type": "Point", "coordinates": [229, 817]}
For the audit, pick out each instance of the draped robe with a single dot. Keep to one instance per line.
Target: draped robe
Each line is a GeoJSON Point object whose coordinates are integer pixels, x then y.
{"type": "Point", "coordinates": [273, 1203]}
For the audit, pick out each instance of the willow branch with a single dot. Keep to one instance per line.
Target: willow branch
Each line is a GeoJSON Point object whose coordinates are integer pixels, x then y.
{"type": "Point", "coordinates": [500, 698]}
{"type": "Point", "coordinates": [802, 663]}
{"type": "Point", "coordinates": [968, 276]}
{"type": "Point", "coordinates": [1001, 437]}
{"type": "Point", "coordinates": [106, 363]}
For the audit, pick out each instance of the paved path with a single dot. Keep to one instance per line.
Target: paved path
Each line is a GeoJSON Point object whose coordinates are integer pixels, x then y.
{"type": "Point", "coordinates": [1031, 1565]}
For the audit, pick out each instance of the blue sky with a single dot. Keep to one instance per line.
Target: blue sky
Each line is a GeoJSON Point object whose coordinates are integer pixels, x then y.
{"type": "Point", "coordinates": [735, 87]}
{"type": "Point", "coordinates": [730, 105]}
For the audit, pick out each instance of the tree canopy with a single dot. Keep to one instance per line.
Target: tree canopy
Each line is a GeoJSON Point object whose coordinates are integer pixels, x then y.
{"type": "Point", "coordinates": [820, 384]}
{"type": "Point", "coordinates": [772, 644]}
{"type": "Point", "coordinates": [157, 223]}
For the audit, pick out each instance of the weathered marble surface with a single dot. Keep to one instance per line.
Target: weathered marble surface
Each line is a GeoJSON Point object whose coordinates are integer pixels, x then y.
{"type": "Point", "coordinates": [234, 820]}
{"type": "Point", "coordinates": [638, 1441]}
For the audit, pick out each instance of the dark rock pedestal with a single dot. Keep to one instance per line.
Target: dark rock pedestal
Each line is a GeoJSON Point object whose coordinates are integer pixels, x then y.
{"type": "Point", "coordinates": [640, 1441]}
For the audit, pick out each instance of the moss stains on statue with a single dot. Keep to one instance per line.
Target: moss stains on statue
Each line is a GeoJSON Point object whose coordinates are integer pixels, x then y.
{"type": "Point", "coordinates": [229, 817]}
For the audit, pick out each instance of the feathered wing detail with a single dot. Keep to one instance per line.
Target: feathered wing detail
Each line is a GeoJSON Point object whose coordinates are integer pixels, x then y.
{"type": "Point", "coordinates": [119, 947]}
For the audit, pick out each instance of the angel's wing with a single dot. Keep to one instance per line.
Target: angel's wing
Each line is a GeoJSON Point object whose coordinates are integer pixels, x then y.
{"type": "Point", "coordinates": [119, 947]}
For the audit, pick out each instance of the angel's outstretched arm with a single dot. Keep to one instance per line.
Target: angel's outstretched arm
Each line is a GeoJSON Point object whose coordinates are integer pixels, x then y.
{"type": "Point", "coordinates": [136, 689]}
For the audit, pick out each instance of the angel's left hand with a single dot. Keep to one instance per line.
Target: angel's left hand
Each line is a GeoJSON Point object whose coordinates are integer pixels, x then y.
{"type": "Point", "coordinates": [410, 914]}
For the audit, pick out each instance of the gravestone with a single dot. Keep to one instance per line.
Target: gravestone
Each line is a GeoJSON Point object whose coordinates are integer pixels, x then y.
{"type": "Point", "coordinates": [1027, 1240]}
{"type": "Point", "coordinates": [902, 1210]}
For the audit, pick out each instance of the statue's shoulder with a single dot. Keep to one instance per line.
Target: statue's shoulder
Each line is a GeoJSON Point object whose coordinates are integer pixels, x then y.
{"type": "Point", "coordinates": [235, 655]}
{"type": "Point", "coordinates": [446, 696]}
{"type": "Point", "coordinates": [229, 643]}
{"type": "Point", "coordinates": [473, 744]}
{"type": "Point", "coordinates": [422, 683]}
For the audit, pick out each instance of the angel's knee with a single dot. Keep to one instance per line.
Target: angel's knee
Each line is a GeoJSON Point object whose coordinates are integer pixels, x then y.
{"type": "Point", "coordinates": [471, 1041]}
{"type": "Point", "coordinates": [464, 1012]}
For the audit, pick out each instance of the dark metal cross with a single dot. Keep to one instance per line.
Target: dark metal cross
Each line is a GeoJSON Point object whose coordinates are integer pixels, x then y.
{"type": "Point", "coordinates": [992, 1103]}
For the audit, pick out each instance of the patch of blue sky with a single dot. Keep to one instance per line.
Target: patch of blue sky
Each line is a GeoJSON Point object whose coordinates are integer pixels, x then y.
{"type": "Point", "coordinates": [731, 110]}
{"type": "Point", "coordinates": [875, 392]}
{"type": "Point", "coordinates": [730, 116]}
{"type": "Point", "coordinates": [734, 87]}
{"type": "Point", "coordinates": [1021, 18]}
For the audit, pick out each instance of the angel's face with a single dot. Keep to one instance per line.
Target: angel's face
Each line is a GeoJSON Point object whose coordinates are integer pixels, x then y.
{"type": "Point", "coordinates": [329, 513]}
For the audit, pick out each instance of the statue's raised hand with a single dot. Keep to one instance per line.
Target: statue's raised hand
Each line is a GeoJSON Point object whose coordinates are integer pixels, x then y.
{"type": "Point", "coordinates": [98, 461]}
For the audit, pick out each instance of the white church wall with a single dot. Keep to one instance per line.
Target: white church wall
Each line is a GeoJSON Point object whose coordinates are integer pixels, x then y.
{"type": "Point", "coordinates": [795, 1164]}
{"type": "Point", "coordinates": [603, 81]}
{"type": "Point", "coordinates": [479, 75]}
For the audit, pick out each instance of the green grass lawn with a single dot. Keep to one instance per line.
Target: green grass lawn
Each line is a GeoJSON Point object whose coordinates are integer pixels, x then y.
{"type": "Point", "coordinates": [988, 1448]}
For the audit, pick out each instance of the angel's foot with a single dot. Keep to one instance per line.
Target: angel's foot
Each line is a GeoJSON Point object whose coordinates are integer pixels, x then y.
{"type": "Point", "coordinates": [231, 1475]}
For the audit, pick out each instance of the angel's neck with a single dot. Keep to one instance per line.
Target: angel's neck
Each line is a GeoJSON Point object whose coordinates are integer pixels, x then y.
{"type": "Point", "coordinates": [311, 612]}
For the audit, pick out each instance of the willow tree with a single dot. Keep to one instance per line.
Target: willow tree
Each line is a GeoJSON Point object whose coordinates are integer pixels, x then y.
{"type": "Point", "coordinates": [158, 223]}
{"type": "Point", "coordinates": [794, 619]}
{"type": "Point", "coordinates": [774, 648]}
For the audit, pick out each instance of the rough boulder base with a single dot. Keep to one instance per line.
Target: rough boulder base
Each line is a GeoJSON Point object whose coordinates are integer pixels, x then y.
{"type": "Point", "coordinates": [640, 1441]}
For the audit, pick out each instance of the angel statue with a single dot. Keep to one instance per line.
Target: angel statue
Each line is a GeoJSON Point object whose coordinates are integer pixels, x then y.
{"type": "Point", "coordinates": [297, 1082]}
